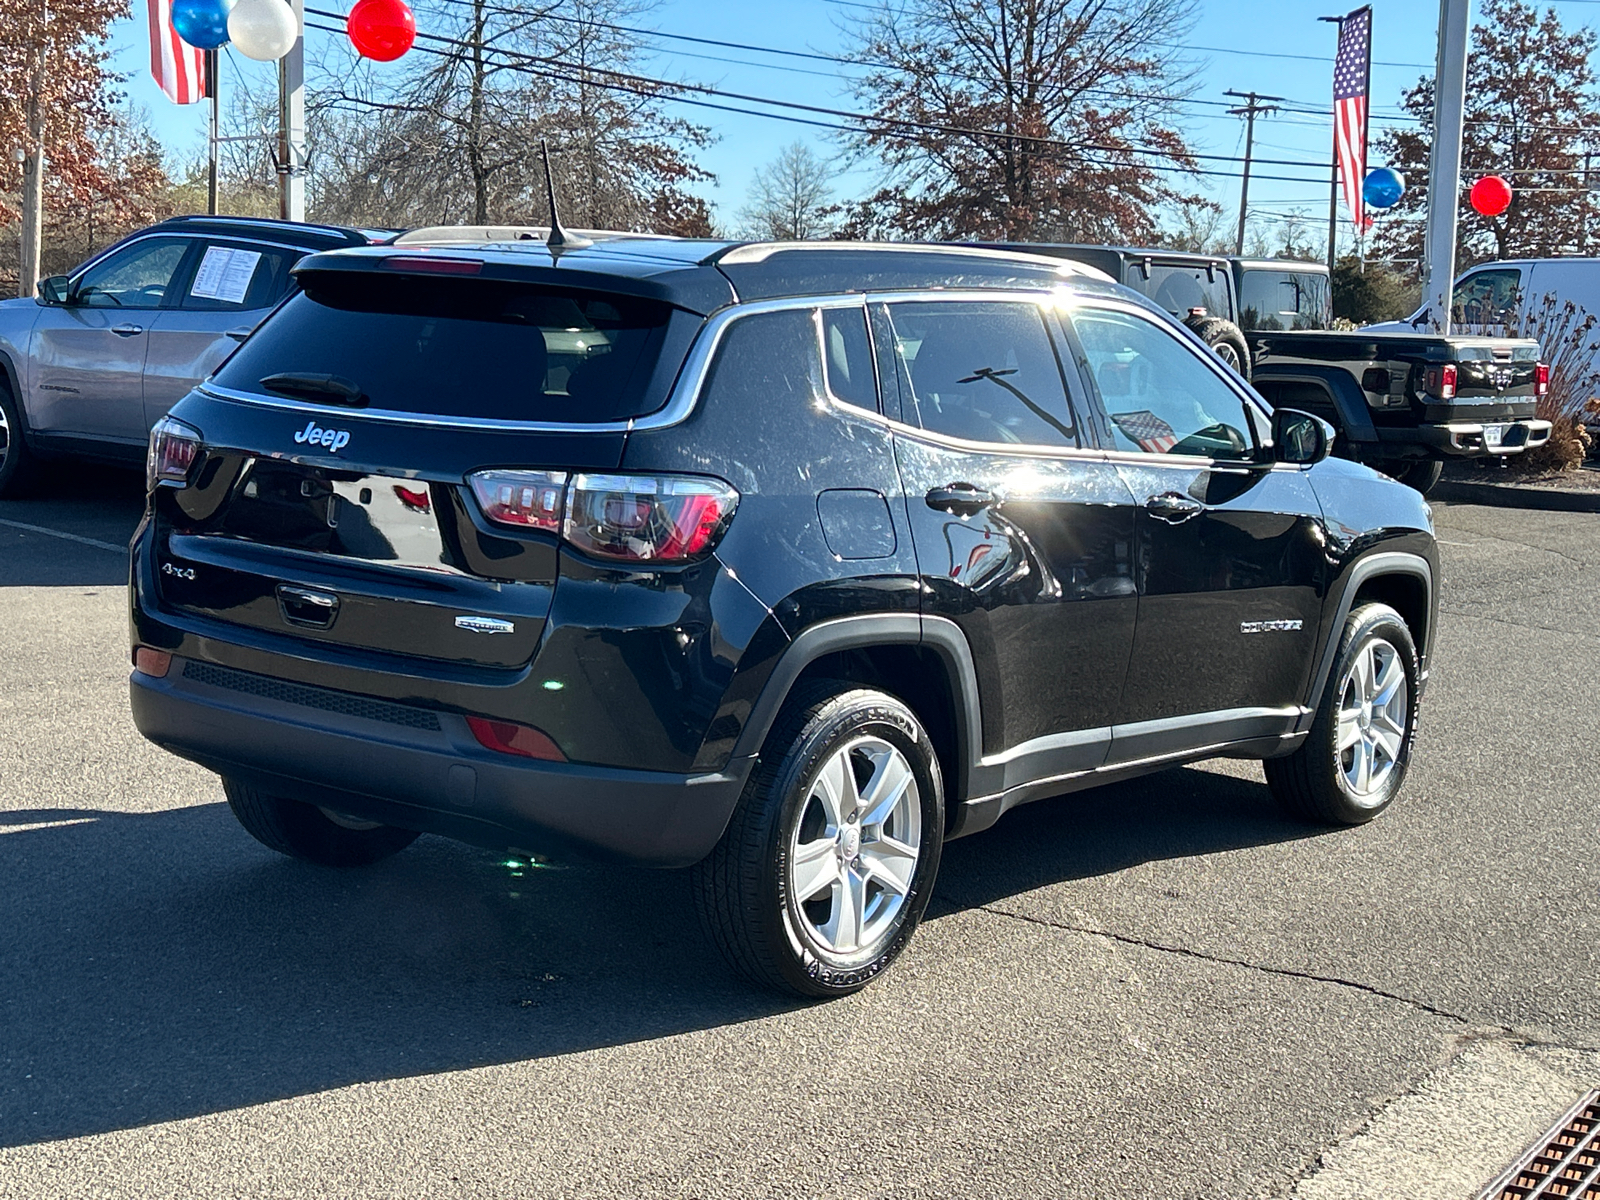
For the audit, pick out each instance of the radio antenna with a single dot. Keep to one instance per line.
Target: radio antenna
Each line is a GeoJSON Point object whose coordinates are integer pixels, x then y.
{"type": "Point", "coordinates": [559, 240]}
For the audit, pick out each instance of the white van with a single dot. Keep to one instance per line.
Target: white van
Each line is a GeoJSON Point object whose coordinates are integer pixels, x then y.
{"type": "Point", "coordinates": [1487, 293]}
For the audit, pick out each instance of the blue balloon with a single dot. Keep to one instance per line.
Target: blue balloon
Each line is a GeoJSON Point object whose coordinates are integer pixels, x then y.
{"type": "Point", "coordinates": [1383, 187]}
{"type": "Point", "coordinates": [202, 23]}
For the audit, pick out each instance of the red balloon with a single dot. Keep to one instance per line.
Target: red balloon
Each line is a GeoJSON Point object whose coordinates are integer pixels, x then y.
{"type": "Point", "coordinates": [1491, 196]}
{"type": "Point", "coordinates": [381, 30]}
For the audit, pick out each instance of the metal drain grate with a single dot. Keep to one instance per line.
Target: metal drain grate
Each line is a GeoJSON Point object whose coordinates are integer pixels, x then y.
{"type": "Point", "coordinates": [1563, 1164]}
{"type": "Point", "coordinates": [309, 697]}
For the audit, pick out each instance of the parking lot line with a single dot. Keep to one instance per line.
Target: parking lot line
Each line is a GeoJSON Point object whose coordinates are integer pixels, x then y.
{"type": "Point", "coordinates": [71, 537]}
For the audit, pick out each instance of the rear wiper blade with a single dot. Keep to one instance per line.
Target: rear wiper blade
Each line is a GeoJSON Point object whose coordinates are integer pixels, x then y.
{"type": "Point", "coordinates": [317, 387]}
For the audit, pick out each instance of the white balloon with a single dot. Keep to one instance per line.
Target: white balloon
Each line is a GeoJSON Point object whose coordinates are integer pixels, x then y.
{"type": "Point", "coordinates": [264, 30]}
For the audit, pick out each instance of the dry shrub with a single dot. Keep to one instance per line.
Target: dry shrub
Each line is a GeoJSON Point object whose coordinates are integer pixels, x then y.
{"type": "Point", "coordinates": [1568, 342]}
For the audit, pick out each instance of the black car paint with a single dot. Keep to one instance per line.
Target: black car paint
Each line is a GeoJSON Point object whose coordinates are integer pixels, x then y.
{"type": "Point", "coordinates": [659, 684]}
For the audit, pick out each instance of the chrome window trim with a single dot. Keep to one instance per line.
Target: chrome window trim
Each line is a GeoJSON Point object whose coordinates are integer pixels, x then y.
{"type": "Point", "coordinates": [394, 416]}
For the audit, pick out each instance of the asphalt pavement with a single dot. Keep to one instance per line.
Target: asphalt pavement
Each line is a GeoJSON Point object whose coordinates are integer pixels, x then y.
{"type": "Point", "coordinates": [1163, 988]}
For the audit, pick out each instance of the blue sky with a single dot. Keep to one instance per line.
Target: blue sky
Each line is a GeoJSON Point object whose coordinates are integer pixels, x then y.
{"type": "Point", "coordinates": [1277, 48]}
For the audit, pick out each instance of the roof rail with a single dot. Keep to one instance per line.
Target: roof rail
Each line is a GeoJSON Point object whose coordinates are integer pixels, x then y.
{"type": "Point", "coordinates": [446, 235]}
{"type": "Point", "coordinates": [757, 252]}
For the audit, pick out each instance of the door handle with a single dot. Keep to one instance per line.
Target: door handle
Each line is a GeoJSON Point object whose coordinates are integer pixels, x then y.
{"type": "Point", "coordinates": [962, 499]}
{"type": "Point", "coordinates": [241, 333]}
{"type": "Point", "coordinates": [127, 330]}
{"type": "Point", "coordinates": [1173, 507]}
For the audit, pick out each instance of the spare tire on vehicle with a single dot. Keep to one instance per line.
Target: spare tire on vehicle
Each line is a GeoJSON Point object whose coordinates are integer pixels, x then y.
{"type": "Point", "coordinates": [1225, 338]}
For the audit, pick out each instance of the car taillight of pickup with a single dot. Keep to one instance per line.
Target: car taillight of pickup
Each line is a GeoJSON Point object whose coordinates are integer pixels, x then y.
{"type": "Point", "coordinates": [1405, 403]}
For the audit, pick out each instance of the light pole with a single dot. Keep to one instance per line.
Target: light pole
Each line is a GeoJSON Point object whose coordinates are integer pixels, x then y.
{"type": "Point", "coordinates": [1444, 160]}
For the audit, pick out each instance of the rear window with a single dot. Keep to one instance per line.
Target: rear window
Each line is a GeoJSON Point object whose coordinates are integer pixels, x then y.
{"type": "Point", "coordinates": [472, 348]}
{"type": "Point", "coordinates": [1279, 300]}
{"type": "Point", "coordinates": [1179, 289]}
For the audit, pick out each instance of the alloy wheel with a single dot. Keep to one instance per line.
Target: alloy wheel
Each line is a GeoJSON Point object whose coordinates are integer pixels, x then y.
{"type": "Point", "coordinates": [854, 848]}
{"type": "Point", "coordinates": [1373, 707]}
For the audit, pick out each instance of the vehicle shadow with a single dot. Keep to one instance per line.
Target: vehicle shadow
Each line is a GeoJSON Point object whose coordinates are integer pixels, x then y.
{"type": "Point", "coordinates": [98, 503]}
{"type": "Point", "coordinates": [161, 966]}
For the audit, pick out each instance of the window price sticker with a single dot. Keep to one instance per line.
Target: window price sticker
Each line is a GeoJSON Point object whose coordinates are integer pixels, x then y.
{"type": "Point", "coordinates": [225, 274]}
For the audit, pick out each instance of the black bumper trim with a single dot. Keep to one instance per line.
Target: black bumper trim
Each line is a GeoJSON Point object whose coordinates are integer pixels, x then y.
{"type": "Point", "coordinates": [439, 781]}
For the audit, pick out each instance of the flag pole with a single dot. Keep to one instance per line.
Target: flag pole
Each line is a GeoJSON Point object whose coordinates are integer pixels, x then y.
{"type": "Point", "coordinates": [1333, 185]}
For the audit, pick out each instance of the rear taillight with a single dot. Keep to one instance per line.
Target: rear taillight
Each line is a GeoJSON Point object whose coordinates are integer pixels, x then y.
{"type": "Point", "coordinates": [1541, 380]}
{"type": "Point", "coordinates": [1440, 382]}
{"type": "Point", "coordinates": [155, 663]}
{"type": "Point", "coordinates": [173, 448]}
{"type": "Point", "coordinates": [529, 499]}
{"type": "Point", "coordinates": [621, 518]}
{"type": "Point", "coordinates": [648, 518]}
{"type": "Point", "coordinates": [522, 740]}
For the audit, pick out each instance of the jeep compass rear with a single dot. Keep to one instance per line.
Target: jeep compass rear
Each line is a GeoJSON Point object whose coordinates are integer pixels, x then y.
{"type": "Point", "coordinates": [785, 563]}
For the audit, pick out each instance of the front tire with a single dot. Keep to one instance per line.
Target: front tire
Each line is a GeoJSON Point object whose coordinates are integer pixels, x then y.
{"type": "Point", "coordinates": [1419, 473]}
{"type": "Point", "coordinates": [310, 833]}
{"type": "Point", "coordinates": [827, 865]}
{"type": "Point", "coordinates": [16, 462]}
{"type": "Point", "coordinates": [1352, 763]}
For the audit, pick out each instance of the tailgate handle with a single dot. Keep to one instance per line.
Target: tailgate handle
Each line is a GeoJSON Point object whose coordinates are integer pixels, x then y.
{"type": "Point", "coordinates": [306, 607]}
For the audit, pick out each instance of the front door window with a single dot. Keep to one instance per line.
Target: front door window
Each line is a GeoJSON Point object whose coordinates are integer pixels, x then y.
{"type": "Point", "coordinates": [136, 277]}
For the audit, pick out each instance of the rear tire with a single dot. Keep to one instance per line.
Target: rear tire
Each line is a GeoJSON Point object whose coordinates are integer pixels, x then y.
{"type": "Point", "coordinates": [16, 461]}
{"type": "Point", "coordinates": [827, 865]}
{"type": "Point", "coordinates": [312, 834]}
{"type": "Point", "coordinates": [1419, 473]}
{"type": "Point", "coordinates": [1368, 711]}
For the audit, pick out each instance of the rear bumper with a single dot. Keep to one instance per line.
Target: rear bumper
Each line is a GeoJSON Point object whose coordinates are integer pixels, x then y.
{"type": "Point", "coordinates": [1465, 439]}
{"type": "Point", "coordinates": [423, 770]}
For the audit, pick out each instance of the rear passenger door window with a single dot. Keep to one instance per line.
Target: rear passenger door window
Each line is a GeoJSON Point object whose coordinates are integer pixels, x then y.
{"type": "Point", "coordinates": [983, 371]}
{"type": "Point", "coordinates": [1160, 396]}
{"type": "Point", "coordinates": [238, 277]}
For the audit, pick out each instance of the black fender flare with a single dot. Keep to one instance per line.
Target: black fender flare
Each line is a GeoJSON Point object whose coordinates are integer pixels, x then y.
{"type": "Point", "coordinates": [1372, 566]}
{"type": "Point", "coordinates": [942, 636]}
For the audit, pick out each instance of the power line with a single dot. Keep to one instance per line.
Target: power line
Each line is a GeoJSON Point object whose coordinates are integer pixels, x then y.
{"type": "Point", "coordinates": [662, 89]}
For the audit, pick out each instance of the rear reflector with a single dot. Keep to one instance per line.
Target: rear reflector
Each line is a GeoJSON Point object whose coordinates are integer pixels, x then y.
{"type": "Point", "coordinates": [433, 266]}
{"type": "Point", "coordinates": [522, 740]}
{"type": "Point", "coordinates": [154, 663]}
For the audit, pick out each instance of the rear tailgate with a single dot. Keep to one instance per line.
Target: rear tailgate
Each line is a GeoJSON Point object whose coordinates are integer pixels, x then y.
{"type": "Point", "coordinates": [329, 499]}
{"type": "Point", "coordinates": [351, 550]}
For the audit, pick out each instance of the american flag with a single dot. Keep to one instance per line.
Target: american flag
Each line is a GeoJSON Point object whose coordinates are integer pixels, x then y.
{"type": "Point", "coordinates": [1351, 68]}
{"type": "Point", "coordinates": [177, 67]}
{"type": "Point", "coordinates": [1146, 430]}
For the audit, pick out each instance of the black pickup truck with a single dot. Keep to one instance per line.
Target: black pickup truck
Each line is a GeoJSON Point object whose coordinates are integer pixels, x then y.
{"type": "Point", "coordinates": [1406, 402]}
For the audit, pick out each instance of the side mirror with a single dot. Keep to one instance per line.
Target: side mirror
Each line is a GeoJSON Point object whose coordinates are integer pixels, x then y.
{"type": "Point", "coordinates": [54, 290]}
{"type": "Point", "coordinates": [1300, 438]}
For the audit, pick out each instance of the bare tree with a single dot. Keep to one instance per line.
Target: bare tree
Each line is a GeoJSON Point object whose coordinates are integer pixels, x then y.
{"type": "Point", "coordinates": [456, 138]}
{"type": "Point", "coordinates": [791, 198]}
{"type": "Point", "coordinates": [1043, 119]}
{"type": "Point", "coordinates": [1201, 227]}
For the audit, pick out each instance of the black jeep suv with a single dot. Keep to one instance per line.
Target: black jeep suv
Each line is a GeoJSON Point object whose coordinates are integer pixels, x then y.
{"type": "Point", "coordinates": [783, 562]}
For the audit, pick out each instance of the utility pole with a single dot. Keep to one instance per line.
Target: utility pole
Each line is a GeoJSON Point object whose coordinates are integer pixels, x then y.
{"type": "Point", "coordinates": [1249, 110]}
{"type": "Point", "coordinates": [214, 93]}
{"type": "Point", "coordinates": [1444, 161]}
{"type": "Point", "coordinates": [33, 167]}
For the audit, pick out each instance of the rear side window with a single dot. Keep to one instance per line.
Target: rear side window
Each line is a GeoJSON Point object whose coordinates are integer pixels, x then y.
{"type": "Point", "coordinates": [1275, 300]}
{"type": "Point", "coordinates": [472, 348]}
{"type": "Point", "coordinates": [239, 278]}
{"type": "Point", "coordinates": [983, 372]}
